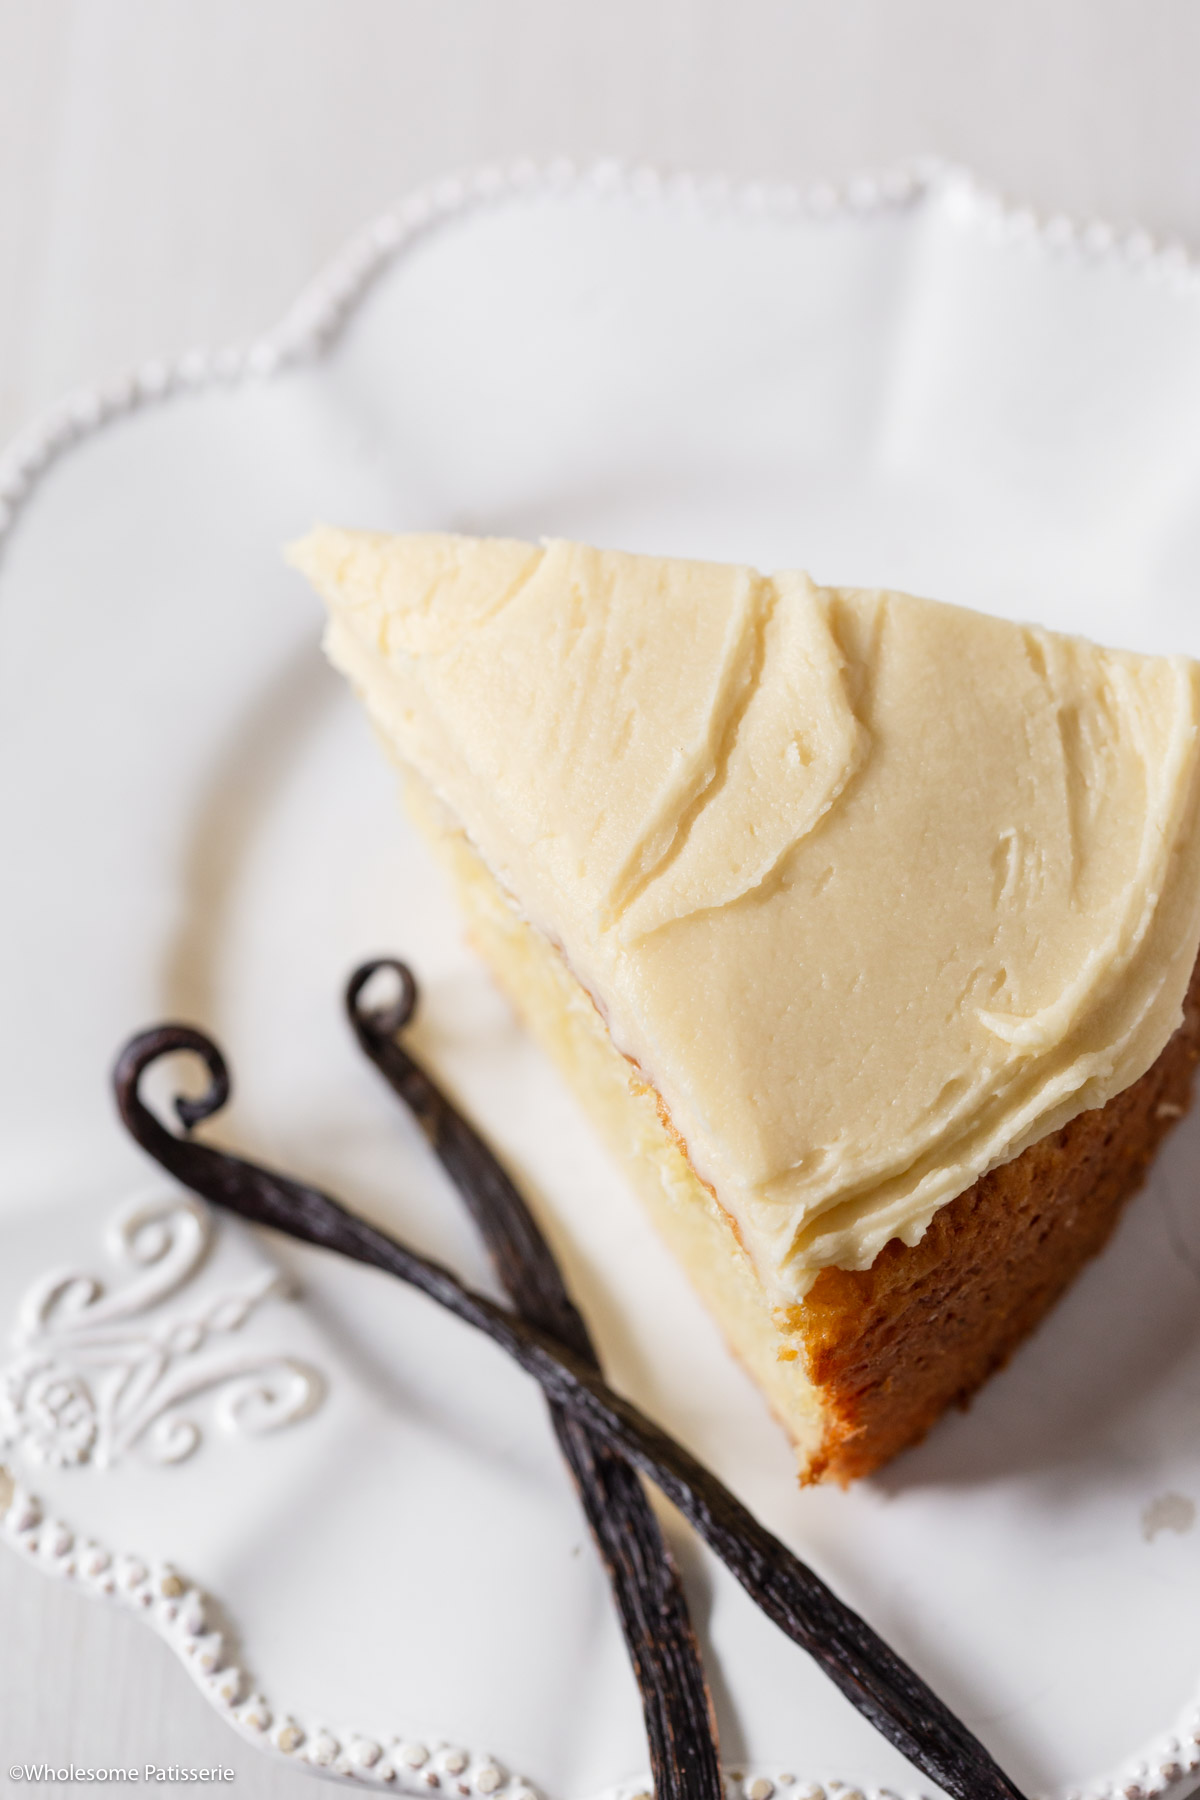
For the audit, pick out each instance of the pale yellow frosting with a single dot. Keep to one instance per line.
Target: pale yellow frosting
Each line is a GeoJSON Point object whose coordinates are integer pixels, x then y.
{"type": "Point", "coordinates": [875, 891]}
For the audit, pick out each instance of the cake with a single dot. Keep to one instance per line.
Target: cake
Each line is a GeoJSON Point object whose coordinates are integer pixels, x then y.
{"type": "Point", "coordinates": [864, 925]}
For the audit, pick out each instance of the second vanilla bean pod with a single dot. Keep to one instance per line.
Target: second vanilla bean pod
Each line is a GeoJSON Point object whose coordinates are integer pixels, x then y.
{"type": "Point", "coordinates": [868, 1672]}
{"type": "Point", "coordinates": [680, 1724]}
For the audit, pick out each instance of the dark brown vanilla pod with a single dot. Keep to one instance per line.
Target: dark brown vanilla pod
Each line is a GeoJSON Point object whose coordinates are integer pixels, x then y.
{"type": "Point", "coordinates": [875, 1680]}
{"type": "Point", "coordinates": [680, 1723]}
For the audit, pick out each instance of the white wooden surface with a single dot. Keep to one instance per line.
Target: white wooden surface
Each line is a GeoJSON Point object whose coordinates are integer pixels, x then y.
{"type": "Point", "coordinates": [172, 170]}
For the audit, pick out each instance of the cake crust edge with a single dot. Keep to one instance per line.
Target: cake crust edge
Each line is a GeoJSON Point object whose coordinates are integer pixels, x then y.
{"type": "Point", "coordinates": [889, 1348]}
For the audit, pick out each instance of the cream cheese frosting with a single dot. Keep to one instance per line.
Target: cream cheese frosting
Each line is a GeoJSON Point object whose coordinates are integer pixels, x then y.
{"type": "Point", "coordinates": [875, 891]}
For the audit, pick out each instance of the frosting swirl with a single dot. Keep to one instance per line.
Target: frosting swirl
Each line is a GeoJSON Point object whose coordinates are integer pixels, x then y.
{"type": "Point", "coordinates": [876, 891]}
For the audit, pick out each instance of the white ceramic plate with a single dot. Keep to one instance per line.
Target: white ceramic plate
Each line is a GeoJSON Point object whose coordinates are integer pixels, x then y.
{"type": "Point", "coordinates": [909, 386]}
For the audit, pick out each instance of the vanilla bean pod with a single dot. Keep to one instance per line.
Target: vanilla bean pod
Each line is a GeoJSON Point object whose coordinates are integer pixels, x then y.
{"type": "Point", "coordinates": [883, 1688]}
{"type": "Point", "coordinates": [680, 1723]}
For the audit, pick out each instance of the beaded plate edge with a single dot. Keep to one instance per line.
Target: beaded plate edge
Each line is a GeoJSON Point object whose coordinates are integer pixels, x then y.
{"type": "Point", "coordinates": [183, 1615]}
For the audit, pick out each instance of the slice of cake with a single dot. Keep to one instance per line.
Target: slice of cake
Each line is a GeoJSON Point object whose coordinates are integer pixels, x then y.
{"type": "Point", "coordinates": [863, 924]}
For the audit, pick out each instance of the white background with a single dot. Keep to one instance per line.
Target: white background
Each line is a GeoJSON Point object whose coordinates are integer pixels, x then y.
{"type": "Point", "coordinates": [171, 171]}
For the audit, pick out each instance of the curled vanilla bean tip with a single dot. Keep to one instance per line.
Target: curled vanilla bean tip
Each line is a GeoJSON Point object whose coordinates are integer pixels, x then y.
{"type": "Point", "coordinates": [386, 1020]}
{"type": "Point", "coordinates": [681, 1728]}
{"type": "Point", "coordinates": [149, 1047]}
